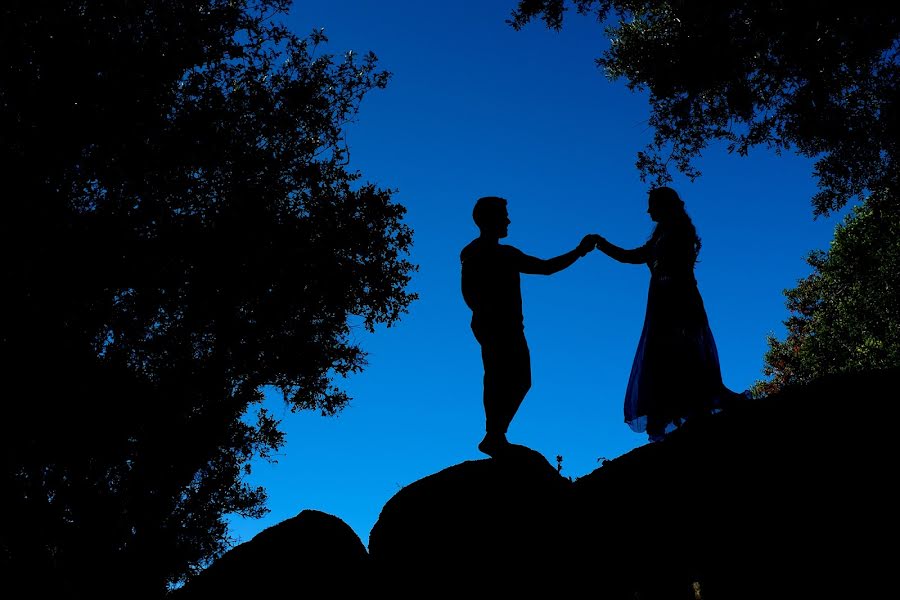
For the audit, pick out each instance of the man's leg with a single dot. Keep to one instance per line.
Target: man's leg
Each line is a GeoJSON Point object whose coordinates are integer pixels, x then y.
{"type": "Point", "coordinates": [517, 371]}
{"type": "Point", "coordinates": [495, 430]}
{"type": "Point", "coordinates": [507, 379]}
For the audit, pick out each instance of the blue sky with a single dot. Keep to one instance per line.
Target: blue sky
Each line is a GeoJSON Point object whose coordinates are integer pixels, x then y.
{"type": "Point", "coordinates": [475, 108]}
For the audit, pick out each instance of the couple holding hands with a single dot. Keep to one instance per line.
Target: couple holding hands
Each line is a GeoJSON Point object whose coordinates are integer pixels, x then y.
{"type": "Point", "coordinates": [675, 374]}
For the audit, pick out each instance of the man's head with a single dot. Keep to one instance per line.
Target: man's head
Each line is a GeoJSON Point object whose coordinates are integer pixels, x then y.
{"type": "Point", "coordinates": [491, 216]}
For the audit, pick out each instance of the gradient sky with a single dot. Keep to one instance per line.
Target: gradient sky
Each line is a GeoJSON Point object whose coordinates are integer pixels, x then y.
{"type": "Point", "coordinates": [475, 108]}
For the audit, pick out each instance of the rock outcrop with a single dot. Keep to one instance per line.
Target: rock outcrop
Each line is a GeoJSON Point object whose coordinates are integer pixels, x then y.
{"type": "Point", "coordinates": [311, 555]}
{"type": "Point", "coordinates": [790, 496]}
{"type": "Point", "coordinates": [494, 525]}
{"type": "Point", "coordinates": [785, 497]}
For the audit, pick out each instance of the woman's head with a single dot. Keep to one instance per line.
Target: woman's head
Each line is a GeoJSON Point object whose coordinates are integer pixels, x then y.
{"type": "Point", "coordinates": [666, 207]}
{"type": "Point", "coordinates": [664, 204]}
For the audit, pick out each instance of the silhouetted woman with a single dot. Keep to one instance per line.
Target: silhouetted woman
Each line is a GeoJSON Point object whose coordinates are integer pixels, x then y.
{"type": "Point", "coordinates": [675, 374]}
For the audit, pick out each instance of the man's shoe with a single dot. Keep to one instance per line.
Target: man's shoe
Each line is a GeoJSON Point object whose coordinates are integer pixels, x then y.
{"type": "Point", "coordinates": [492, 445]}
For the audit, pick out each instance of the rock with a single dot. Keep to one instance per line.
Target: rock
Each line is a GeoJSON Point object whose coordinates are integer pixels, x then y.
{"type": "Point", "coordinates": [313, 553]}
{"type": "Point", "coordinates": [477, 527]}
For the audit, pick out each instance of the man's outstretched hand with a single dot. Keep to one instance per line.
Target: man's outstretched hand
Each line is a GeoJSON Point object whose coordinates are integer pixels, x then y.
{"type": "Point", "coordinates": [588, 243]}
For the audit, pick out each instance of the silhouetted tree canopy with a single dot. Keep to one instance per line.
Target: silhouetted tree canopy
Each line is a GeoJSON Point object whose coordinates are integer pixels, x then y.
{"type": "Point", "coordinates": [822, 78]}
{"type": "Point", "coordinates": [180, 228]}
{"type": "Point", "coordinates": [845, 315]}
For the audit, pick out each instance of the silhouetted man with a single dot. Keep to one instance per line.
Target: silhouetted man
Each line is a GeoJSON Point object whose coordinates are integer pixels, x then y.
{"type": "Point", "coordinates": [490, 287]}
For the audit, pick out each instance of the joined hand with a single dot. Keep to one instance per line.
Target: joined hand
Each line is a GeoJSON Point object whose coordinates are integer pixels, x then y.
{"type": "Point", "coordinates": [587, 244]}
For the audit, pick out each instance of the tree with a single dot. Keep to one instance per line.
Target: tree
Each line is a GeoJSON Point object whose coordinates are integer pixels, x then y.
{"type": "Point", "coordinates": [180, 229]}
{"type": "Point", "coordinates": [820, 77]}
{"type": "Point", "coordinates": [845, 315]}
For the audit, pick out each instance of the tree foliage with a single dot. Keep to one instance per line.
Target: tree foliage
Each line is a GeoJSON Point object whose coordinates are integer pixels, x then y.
{"type": "Point", "coordinates": [845, 315]}
{"type": "Point", "coordinates": [822, 78]}
{"type": "Point", "coordinates": [180, 228]}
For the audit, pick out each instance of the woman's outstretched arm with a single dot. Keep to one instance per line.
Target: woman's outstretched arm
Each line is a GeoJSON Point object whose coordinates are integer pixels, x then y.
{"type": "Point", "coordinates": [634, 256]}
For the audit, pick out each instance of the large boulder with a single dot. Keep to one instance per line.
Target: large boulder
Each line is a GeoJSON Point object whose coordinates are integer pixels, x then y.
{"type": "Point", "coordinates": [311, 555]}
{"type": "Point", "coordinates": [483, 526]}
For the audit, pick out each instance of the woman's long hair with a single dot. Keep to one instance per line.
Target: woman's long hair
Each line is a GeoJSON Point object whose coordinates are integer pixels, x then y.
{"type": "Point", "coordinates": [676, 217]}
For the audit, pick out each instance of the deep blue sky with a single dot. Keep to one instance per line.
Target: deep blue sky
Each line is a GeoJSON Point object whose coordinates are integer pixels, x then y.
{"type": "Point", "coordinates": [475, 108]}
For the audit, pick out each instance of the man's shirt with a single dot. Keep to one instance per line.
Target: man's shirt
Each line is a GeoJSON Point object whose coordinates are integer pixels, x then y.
{"type": "Point", "coordinates": [491, 285]}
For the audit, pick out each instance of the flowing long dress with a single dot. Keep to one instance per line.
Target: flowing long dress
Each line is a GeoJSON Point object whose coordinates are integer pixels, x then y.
{"type": "Point", "coordinates": [675, 374]}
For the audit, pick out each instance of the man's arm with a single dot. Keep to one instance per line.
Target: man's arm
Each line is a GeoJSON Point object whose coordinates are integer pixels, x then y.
{"type": "Point", "coordinates": [541, 266]}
